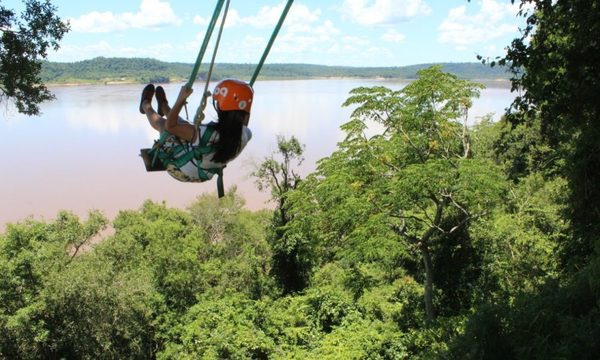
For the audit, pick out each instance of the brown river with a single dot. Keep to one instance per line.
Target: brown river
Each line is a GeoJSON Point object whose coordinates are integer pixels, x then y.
{"type": "Point", "coordinates": [82, 152]}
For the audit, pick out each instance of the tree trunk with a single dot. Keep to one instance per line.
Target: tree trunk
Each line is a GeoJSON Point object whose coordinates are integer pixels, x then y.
{"type": "Point", "coordinates": [429, 312]}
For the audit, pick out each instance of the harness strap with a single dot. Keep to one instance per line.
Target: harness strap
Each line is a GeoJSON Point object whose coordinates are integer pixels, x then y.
{"type": "Point", "coordinates": [180, 154]}
{"type": "Point", "coordinates": [288, 5]}
{"type": "Point", "coordinates": [199, 117]}
{"type": "Point", "coordinates": [220, 186]}
{"type": "Point", "coordinates": [207, 36]}
{"type": "Point", "coordinates": [210, 128]}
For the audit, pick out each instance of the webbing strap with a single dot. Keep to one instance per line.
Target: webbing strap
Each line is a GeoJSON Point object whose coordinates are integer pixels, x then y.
{"type": "Point", "coordinates": [203, 145]}
{"type": "Point", "coordinates": [205, 94]}
{"type": "Point", "coordinates": [271, 41]}
{"type": "Point", "coordinates": [208, 35]}
{"type": "Point", "coordinates": [210, 128]}
{"type": "Point", "coordinates": [177, 155]}
{"type": "Point", "coordinates": [220, 186]}
{"type": "Point", "coordinates": [211, 27]}
{"type": "Point", "coordinates": [202, 173]}
{"type": "Point", "coordinates": [182, 153]}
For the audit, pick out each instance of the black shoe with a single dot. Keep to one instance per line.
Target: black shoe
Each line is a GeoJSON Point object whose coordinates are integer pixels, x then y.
{"type": "Point", "coordinates": [161, 98]}
{"type": "Point", "coordinates": [147, 94]}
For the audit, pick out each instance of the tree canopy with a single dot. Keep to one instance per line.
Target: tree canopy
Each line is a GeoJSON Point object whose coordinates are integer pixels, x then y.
{"type": "Point", "coordinates": [425, 235]}
{"type": "Point", "coordinates": [24, 42]}
{"type": "Point", "coordinates": [560, 70]}
{"type": "Point", "coordinates": [414, 239]}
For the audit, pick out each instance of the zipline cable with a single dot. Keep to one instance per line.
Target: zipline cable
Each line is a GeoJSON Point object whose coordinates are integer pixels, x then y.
{"type": "Point", "coordinates": [271, 41]}
{"type": "Point", "coordinates": [205, 94]}
{"type": "Point", "coordinates": [209, 31]}
{"type": "Point", "coordinates": [211, 26]}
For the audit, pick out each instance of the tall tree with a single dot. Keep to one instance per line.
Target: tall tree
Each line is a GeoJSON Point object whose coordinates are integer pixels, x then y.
{"type": "Point", "coordinates": [24, 43]}
{"type": "Point", "coordinates": [432, 186]}
{"type": "Point", "coordinates": [415, 180]}
{"type": "Point", "coordinates": [557, 62]}
{"type": "Point", "coordinates": [31, 254]}
{"type": "Point", "coordinates": [555, 65]}
{"type": "Point", "coordinates": [277, 173]}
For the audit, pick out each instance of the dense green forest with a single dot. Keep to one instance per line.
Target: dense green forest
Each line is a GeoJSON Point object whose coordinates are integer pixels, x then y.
{"type": "Point", "coordinates": [430, 239]}
{"type": "Point", "coordinates": [143, 70]}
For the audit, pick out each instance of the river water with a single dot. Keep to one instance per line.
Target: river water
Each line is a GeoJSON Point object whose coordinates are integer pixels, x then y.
{"type": "Point", "coordinates": [82, 152]}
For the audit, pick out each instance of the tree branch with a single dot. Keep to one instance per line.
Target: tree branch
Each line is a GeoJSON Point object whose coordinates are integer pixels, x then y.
{"type": "Point", "coordinates": [276, 181]}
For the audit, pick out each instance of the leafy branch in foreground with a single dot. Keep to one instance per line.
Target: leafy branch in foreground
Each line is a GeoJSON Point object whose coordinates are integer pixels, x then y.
{"type": "Point", "coordinates": [24, 42]}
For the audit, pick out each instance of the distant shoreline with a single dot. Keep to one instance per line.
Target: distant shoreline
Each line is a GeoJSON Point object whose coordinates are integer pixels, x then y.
{"type": "Point", "coordinates": [490, 83]}
{"type": "Point", "coordinates": [116, 71]}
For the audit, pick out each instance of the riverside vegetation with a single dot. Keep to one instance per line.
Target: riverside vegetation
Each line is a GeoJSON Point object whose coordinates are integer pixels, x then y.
{"type": "Point", "coordinates": [144, 70]}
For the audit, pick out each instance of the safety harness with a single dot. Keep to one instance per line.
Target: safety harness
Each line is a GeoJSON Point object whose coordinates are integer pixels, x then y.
{"type": "Point", "coordinates": [171, 153]}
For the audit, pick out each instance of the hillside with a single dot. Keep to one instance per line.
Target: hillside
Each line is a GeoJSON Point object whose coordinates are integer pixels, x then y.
{"type": "Point", "coordinates": [143, 70]}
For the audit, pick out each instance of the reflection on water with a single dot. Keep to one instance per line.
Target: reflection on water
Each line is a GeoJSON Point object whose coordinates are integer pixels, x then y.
{"type": "Point", "coordinates": [82, 153]}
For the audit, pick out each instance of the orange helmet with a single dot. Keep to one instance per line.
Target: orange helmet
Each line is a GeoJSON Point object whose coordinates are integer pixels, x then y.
{"type": "Point", "coordinates": [231, 94]}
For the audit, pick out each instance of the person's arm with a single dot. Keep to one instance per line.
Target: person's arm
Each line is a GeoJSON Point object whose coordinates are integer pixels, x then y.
{"type": "Point", "coordinates": [185, 131]}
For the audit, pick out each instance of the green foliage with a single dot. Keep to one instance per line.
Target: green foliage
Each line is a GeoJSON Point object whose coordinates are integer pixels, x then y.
{"type": "Point", "coordinates": [127, 296]}
{"type": "Point", "coordinates": [101, 70]}
{"type": "Point", "coordinates": [556, 63]}
{"type": "Point", "coordinates": [24, 42]}
{"type": "Point", "coordinates": [402, 191]}
{"type": "Point", "coordinates": [33, 255]}
{"type": "Point", "coordinates": [221, 329]}
{"type": "Point", "coordinates": [90, 309]}
{"type": "Point", "coordinates": [519, 149]}
{"type": "Point", "coordinates": [557, 322]}
{"type": "Point", "coordinates": [418, 238]}
{"type": "Point", "coordinates": [291, 253]}
{"type": "Point", "coordinates": [552, 150]}
{"type": "Point", "coordinates": [279, 176]}
{"type": "Point", "coordinates": [520, 242]}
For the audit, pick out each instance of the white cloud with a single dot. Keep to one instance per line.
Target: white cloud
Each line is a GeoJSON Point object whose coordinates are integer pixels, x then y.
{"type": "Point", "coordinates": [356, 40]}
{"type": "Point", "coordinates": [152, 14]}
{"type": "Point", "coordinates": [303, 34]}
{"type": "Point", "coordinates": [269, 15]}
{"type": "Point", "coordinates": [383, 12]}
{"type": "Point", "coordinates": [391, 35]}
{"type": "Point", "coordinates": [305, 39]}
{"type": "Point", "coordinates": [491, 22]}
{"type": "Point", "coordinates": [71, 53]}
{"type": "Point", "coordinates": [348, 46]}
{"type": "Point", "coordinates": [255, 41]}
{"type": "Point", "coordinates": [233, 19]}
{"type": "Point", "coordinates": [200, 20]}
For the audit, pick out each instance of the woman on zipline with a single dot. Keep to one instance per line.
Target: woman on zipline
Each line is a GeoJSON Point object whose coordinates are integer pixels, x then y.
{"type": "Point", "coordinates": [217, 143]}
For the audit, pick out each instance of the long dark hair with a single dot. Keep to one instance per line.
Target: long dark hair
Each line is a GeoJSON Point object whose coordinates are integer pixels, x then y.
{"type": "Point", "coordinates": [230, 135]}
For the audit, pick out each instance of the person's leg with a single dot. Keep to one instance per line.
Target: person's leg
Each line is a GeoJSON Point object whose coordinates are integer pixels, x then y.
{"type": "Point", "coordinates": [155, 120]}
{"type": "Point", "coordinates": [163, 107]}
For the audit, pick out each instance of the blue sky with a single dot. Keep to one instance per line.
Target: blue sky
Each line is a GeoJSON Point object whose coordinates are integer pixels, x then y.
{"type": "Point", "coordinates": [328, 32]}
